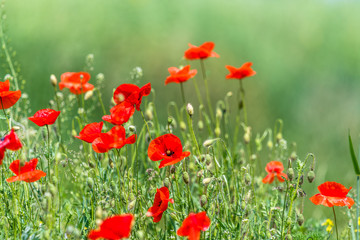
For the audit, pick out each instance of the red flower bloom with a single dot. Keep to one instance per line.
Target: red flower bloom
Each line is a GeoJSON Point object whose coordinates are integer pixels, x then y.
{"type": "Point", "coordinates": [332, 194]}
{"type": "Point", "coordinates": [8, 98]}
{"type": "Point", "coordinates": [167, 148]}
{"type": "Point", "coordinates": [239, 73]}
{"type": "Point", "coordinates": [115, 138]}
{"type": "Point", "coordinates": [120, 113]}
{"type": "Point", "coordinates": [90, 132]}
{"type": "Point", "coordinates": [114, 228]}
{"type": "Point", "coordinates": [45, 117]}
{"type": "Point", "coordinates": [274, 168]}
{"type": "Point", "coordinates": [27, 173]}
{"type": "Point", "coordinates": [131, 93]}
{"type": "Point", "coordinates": [193, 224]}
{"type": "Point", "coordinates": [160, 204]}
{"type": "Point", "coordinates": [77, 82]}
{"type": "Point", "coordinates": [202, 52]}
{"type": "Point", "coordinates": [180, 75]}
{"type": "Point", "coordinates": [11, 142]}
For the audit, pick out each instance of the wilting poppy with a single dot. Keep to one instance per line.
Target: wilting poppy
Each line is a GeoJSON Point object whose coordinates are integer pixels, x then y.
{"type": "Point", "coordinates": [167, 148]}
{"type": "Point", "coordinates": [76, 82]}
{"type": "Point", "coordinates": [27, 173]}
{"type": "Point", "coordinates": [239, 73]}
{"type": "Point", "coordinates": [332, 194]}
{"type": "Point", "coordinates": [8, 98]}
{"type": "Point", "coordinates": [180, 75]}
{"type": "Point", "coordinates": [45, 117]}
{"type": "Point", "coordinates": [274, 169]}
{"type": "Point", "coordinates": [115, 138]}
{"type": "Point", "coordinates": [201, 52]}
{"type": "Point", "coordinates": [193, 224]}
{"type": "Point", "coordinates": [131, 94]}
{"type": "Point", "coordinates": [120, 113]}
{"type": "Point", "coordinates": [114, 228]}
{"type": "Point", "coordinates": [10, 142]}
{"type": "Point", "coordinates": [160, 204]}
{"type": "Point", "coordinates": [90, 132]}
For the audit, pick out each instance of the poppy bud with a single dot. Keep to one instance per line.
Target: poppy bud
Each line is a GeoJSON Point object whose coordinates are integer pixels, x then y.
{"type": "Point", "coordinates": [53, 80]}
{"type": "Point", "coordinates": [219, 113]}
{"type": "Point", "coordinates": [90, 182]}
{"type": "Point", "coordinates": [140, 234]}
{"type": "Point", "coordinates": [288, 237]}
{"type": "Point", "coordinates": [201, 125]}
{"type": "Point", "coordinates": [132, 128]}
{"type": "Point", "coordinates": [290, 174]}
{"type": "Point", "coordinates": [182, 126]}
{"type": "Point", "coordinates": [229, 94]}
{"type": "Point", "coordinates": [279, 137]}
{"type": "Point", "coordinates": [88, 94]}
{"type": "Point", "coordinates": [149, 115]}
{"type": "Point", "coordinates": [246, 138]}
{"type": "Point", "coordinates": [217, 131]}
{"type": "Point", "coordinates": [247, 179]}
{"type": "Point", "coordinates": [8, 77]}
{"type": "Point", "coordinates": [173, 216]}
{"type": "Point", "coordinates": [131, 205]}
{"type": "Point", "coordinates": [270, 144]}
{"type": "Point", "coordinates": [186, 178]}
{"type": "Point", "coordinates": [99, 213]}
{"type": "Point", "coordinates": [190, 109]}
{"type": "Point", "coordinates": [203, 200]}
{"type": "Point", "coordinates": [311, 176]}
{"type": "Point", "coordinates": [253, 157]}
{"type": "Point", "coordinates": [167, 182]}
{"type": "Point", "coordinates": [16, 128]}
{"type": "Point", "coordinates": [301, 181]}
{"type": "Point", "coordinates": [208, 160]}
{"type": "Point", "coordinates": [200, 174]}
{"type": "Point", "coordinates": [170, 120]}
{"type": "Point", "coordinates": [293, 156]}
{"type": "Point", "coordinates": [300, 219]}
{"type": "Point", "coordinates": [243, 205]}
{"type": "Point", "coordinates": [206, 181]}
{"type": "Point", "coordinates": [209, 142]}
{"type": "Point", "coordinates": [100, 78]}
{"type": "Point", "coordinates": [288, 221]}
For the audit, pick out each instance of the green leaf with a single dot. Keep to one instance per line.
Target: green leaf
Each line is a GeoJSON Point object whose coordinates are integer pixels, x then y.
{"type": "Point", "coordinates": [353, 157]}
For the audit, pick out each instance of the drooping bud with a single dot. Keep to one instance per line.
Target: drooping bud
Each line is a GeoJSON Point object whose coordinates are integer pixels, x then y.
{"type": "Point", "coordinates": [201, 125]}
{"type": "Point", "coordinates": [311, 176]}
{"type": "Point", "coordinates": [206, 181]}
{"type": "Point", "coordinates": [53, 80]}
{"type": "Point", "coordinates": [290, 174]}
{"type": "Point", "coordinates": [217, 131]}
{"type": "Point", "coordinates": [148, 114]}
{"type": "Point", "coordinates": [88, 94]}
{"type": "Point", "coordinates": [270, 144]}
{"type": "Point", "coordinates": [186, 178]}
{"type": "Point", "coordinates": [279, 137]}
{"type": "Point", "coordinates": [301, 181]}
{"type": "Point", "coordinates": [182, 126]}
{"type": "Point", "coordinates": [209, 142]}
{"type": "Point", "coordinates": [16, 128]}
{"type": "Point", "coordinates": [170, 120]}
{"type": "Point", "coordinates": [300, 219]}
{"type": "Point", "coordinates": [190, 109]}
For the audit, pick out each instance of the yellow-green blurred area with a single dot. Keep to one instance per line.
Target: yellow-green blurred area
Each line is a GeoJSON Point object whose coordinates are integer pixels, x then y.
{"type": "Point", "coordinates": [306, 55]}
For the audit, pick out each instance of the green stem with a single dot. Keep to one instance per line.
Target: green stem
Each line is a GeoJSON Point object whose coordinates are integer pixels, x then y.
{"type": "Point", "coordinates": [207, 90]}
{"type": "Point", "coordinates": [7, 119]}
{"type": "Point", "coordinates": [337, 234]}
{"type": "Point", "coordinates": [48, 152]}
{"type": "Point", "coordinates": [242, 98]}
{"type": "Point", "coordinates": [147, 126]}
{"type": "Point", "coordinates": [182, 93]}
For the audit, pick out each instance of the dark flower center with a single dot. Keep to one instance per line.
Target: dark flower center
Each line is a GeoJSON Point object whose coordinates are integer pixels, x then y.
{"type": "Point", "coordinates": [169, 152]}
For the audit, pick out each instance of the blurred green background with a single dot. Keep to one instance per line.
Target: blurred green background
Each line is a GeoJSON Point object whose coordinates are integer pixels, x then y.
{"type": "Point", "coordinates": [306, 54]}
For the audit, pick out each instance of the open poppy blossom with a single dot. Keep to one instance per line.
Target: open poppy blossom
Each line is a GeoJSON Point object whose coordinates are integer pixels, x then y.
{"type": "Point", "coordinates": [167, 148]}
{"type": "Point", "coordinates": [193, 224]}
{"type": "Point", "coordinates": [160, 205]}
{"type": "Point", "coordinates": [332, 194]}
{"type": "Point", "coordinates": [27, 173]}
{"type": "Point", "coordinates": [115, 138]}
{"type": "Point", "coordinates": [114, 228]}
{"type": "Point", "coordinates": [120, 113]}
{"type": "Point", "coordinates": [131, 94]}
{"type": "Point", "coordinates": [76, 82]}
{"type": "Point", "coordinates": [201, 52]}
{"type": "Point", "coordinates": [90, 132]}
{"type": "Point", "coordinates": [10, 142]}
{"type": "Point", "coordinates": [239, 73]}
{"type": "Point", "coordinates": [180, 75]}
{"type": "Point", "coordinates": [45, 117]}
{"type": "Point", "coordinates": [274, 169]}
{"type": "Point", "coordinates": [8, 98]}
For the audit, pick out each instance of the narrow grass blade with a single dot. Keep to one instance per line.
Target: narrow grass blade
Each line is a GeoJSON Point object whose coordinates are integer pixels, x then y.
{"type": "Point", "coordinates": [353, 157]}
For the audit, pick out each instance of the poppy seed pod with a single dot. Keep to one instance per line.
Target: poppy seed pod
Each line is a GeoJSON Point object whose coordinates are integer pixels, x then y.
{"type": "Point", "coordinates": [311, 176]}
{"type": "Point", "coordinates": [186, 178]}
{"type": "Point", "coordinates": [290, 174]}
{"type": "Point", "coordinates": [190, 109]}
{"type": "Point", "coordinates": [53, 80]}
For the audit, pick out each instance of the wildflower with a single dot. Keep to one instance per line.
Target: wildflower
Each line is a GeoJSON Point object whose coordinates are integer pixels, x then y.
{"type": "Point", "coordinates": [27, 173]}
{"type": "Point", "coordinates": [90, 132]}
{"type": "Point", "coordinates": [131, 94]}
{"type": "Point", "coordinates": [167, 148]}
{"type": "Point", "coordinates": [8, 98]}
{"type": "Point", "coordinates": [201, 52]}
{"type": "Point", "coordinates": [10, 142]}
{"type": "Point", "coordinates": [160, 204]}
{"type": "Point", "coordinates": [120, 113]}
{"type": "Point", "coordinates": [329, 225]}
{"type": "Point", "coordinates": [274, 169]}
{"type": "Point", "coordinates": [45, 117]}
{"type": "Point", "coordinates": [332, 194]}
{"type": "Point", "coordinates": [115, 138]}
{"type": "Point", "coordinates": [113, 228]}
{"type": "Point", "coordinates": [193, 224]}
{"type": "Point", "coordinates": [76, 82]}
{"type": "Point", "coordinates": [240, 73]}
{"type": "Point", "coordinates": [180, 75]}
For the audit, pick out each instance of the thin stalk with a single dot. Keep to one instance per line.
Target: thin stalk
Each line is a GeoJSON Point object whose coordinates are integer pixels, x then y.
{"type": "Point", "coordinates": [182, 93]}
{"type": "Point", "coordinates": [7, 119]}
{"type": "Point", "coordinates": [207, 90]}
{"type": "Point", "coordinates": [337, 234]}
{"type": "Point", "coordinates": [147, 126]}
{"type": "Point", "coordinates": [242, 97]}
{"type": "Point", "coordinates": [48, 152]}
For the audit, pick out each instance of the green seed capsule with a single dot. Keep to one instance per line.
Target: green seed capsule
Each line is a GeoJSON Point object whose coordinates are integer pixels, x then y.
{"type": "Point", "coordinates": [311, 176]}
{"type": "Point", "coordinates": [186, 178]}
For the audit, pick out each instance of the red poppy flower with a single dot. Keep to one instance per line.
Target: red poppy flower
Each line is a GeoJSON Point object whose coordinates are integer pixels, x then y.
{"type": "Point", "coordinates": [120, 113]}
{"type": "Point", "coordinates": [274, 169]}
{"type": "Point", "coordinates": [90, 132]}
{"type": "Point", "coordinates": [332, 194]}
{"type": "Point", "coordinates": [239, 73]}
{"type": "Point", "coordinates": [167, 148]}
{"type": "Point", "coordinates": [8, 98]}
{"type": "Point", "coordinates": [114, 228]}
{"type": "Point", "coordinates": [27, 173]}
{"type": "Point", "coordinates": [131, 93]}
{"type": "Point", "coordinates": [202, 52]}
{"type": "Point", "coordinates": [180, 75]}
{"type": "Point", "coordinates": [160, 204]}
{"type": "Point", "coordinates": [76, 82]}
{"type": "Point", "coordinates": [115, 138]}
{"type": "Point", "coordinates": [11, 142]}
{"type": "Point", "coordinates": [45, 117]}
{"type": "Point", "coordinates": [193, 224]}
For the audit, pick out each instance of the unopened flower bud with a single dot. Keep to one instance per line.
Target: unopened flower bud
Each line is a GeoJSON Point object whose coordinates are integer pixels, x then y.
{"type": "Point", "coordinates": [293, 156]}
{"type": "Point", "coordinates": [90, 182]}
{"type": "Point", "coordinates": [131, 205]}
{"type": "Point", "coordinates": [200, 174]}
{"type": "Point", "coordinates": [246, 138]}
{"type": "Point", "coordinates": [247, 179]}
{"type": "Point", "coordinates": [80, 111]}
{"type": "Point", "coordinates": [279, 137]}
{"type": "Point", "coordinates": [172, 169]}
{"type": "Point", "coordinates": [290, 174]}
{"type": "Point", "coordinates": [201, 125]}
{"type": "Point", "coordinates": [99, 213]}
{"type": "Point", "coordinates": [288, 237]}
{"type": "Point", "coordinates": [300, 219]}
{"type": "Point", "coordinates": [217, 131]}
{"type": "Point", "coordinates": [182, 126]}
{"type": "Point", "coordinates": [190, 109]}
{"type": "Point", "coordinates": [53, 80]}
{"type": "Point", "coordinates": [209, 142]}
{"type": "Point", "coordinates": [206, 181]}
{"type": "Point", "coordinates": [311, 176]}
{"type": "Point", "coordinates": [149, 115]}
{"type": "Point", "coordinates": [170, 120]}
{"type": "Point", "coordinates": [203, 200]}
{"type": "Point", "coordinates": [132, 128]}
{"type": "Point", "coordinates": [219, 113]}
{"type": "Point", "coordinates": [270, 144]}
{"type": "Point", "coordinates": [301, 181]}
{"type": "Point", "coordinates": [186, 178]}
{"type": "Point", "coordinates": [16, 128]}
{"type": "Point", "coordinates": [229, 94]}
{"type": "Point", "coordinates": [73, 133]}
{"type": "Point", "coordinates": [100, 77]}
{"type": "Point", "coordinates": [88, 94]}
